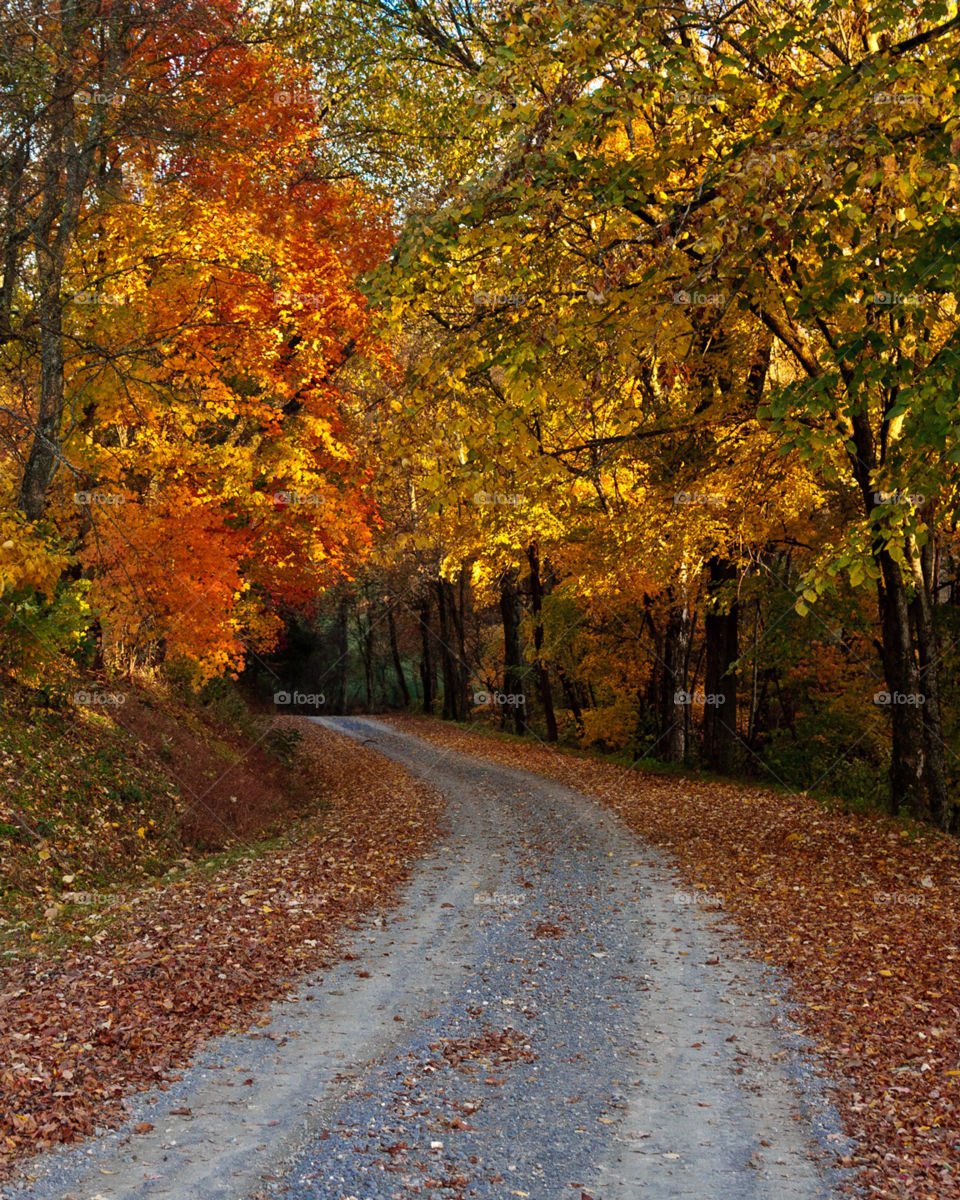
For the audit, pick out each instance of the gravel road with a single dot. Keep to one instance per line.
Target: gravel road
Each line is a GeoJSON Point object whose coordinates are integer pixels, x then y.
{"type": "Point", "coordinates": [546, 1015]}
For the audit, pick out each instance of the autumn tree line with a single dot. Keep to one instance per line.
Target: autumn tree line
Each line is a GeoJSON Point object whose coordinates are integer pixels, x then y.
{"type": "Point", "coordinates": [584, 368]}
{"type": "Point", "coordinates": [180, 267]}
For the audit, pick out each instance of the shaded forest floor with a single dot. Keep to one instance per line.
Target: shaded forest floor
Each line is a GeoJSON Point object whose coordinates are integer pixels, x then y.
{"type": "Point", "coordinates": [861, 915]}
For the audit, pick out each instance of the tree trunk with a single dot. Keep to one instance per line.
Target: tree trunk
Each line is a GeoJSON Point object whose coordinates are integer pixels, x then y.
{"type": "Point", "coordinates": [926, 577]}
{"type": "Point", "coordinates": [511, 612]}
{"type": "Point", "coordinates": [917, 771]}
{"type": "Point", "coordinates": [45, 448]}
{"type": "Point", "coordinates": [648, 696]}
{"type": "Point", "coordinates": [671, 736]}
{"type": "Point", "coordinates": [942, 809]}
{"type": "Point", "coordinates": [66, 175]}
{"type": "Point", "coordinates": [755, 680]}
{"type": "Point", "coordinates": [365, 642]}
{"type": "Point", "coordinates": [720, 682]}
{"type": "Point", "coordinates": [690, 682]}
{"type": "Point", "coordinates": [342, 648]}
{"type": "Point", "coordinates": [461, 669]}
{"type": "Point", "coordinates": [543, 674]}
{"type": "Point", "coordinates": [447, 666]}
{"type": "Point", "coordinates": [397, 661]}
{"type": "Point", "coordinates": [573, 701]}
{"type": "Point", "coordinates": [427, 678]}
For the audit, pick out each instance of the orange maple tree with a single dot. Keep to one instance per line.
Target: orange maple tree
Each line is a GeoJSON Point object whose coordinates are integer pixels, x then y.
{"type": "Point", "coordinates": [213, 298]}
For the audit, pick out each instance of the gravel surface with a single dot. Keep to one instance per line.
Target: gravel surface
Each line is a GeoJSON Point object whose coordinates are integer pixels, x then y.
{"type": "Point", "coordinates": [547, 1014]}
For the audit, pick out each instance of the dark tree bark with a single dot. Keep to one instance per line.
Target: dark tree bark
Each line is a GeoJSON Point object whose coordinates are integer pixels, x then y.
{"type": "Point", "coordinates": [910, 655]}
{"type": "Point", "coordinates": [908, 646]}
{"type": "Point", "coordinates": [648, 696]}
{"type": "Point", "coordinates": [543, 673]}
{"type": "Point", "coordinates": [942, 810]}
{"type": "Point", "coordinates": [427, 679]}
{"type": "Point", "coordinates": [44, 454]}
{"type": "Point", "coordinates": [64, 179]}
{"type": "Point", "coordinates": [365, 642]}
{"type": "Point", "coordinates": [720, 682]}
{"type": "Point", "coordinates": [341, 645]}
{"type": "Point", "coordinates": [456, 604]}
{"type": "Point", "coordinates": [511, 613]}
{"type": "Point", "coordinates": [452, 708]}
{"type": "Point", "coordinates": [671, 735]}
{"type": "Point", "coordinates": [570, 686]}
{"type": "Point", "coordinates": [755, 679]}
{"type": "Point", "coordinates": [573, 701]}
{"type": "Point", "coordinates": [397, 661]}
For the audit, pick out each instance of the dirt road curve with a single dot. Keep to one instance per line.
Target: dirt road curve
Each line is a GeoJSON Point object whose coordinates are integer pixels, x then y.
{"type": "Point", "coordinates": [548, 1015]}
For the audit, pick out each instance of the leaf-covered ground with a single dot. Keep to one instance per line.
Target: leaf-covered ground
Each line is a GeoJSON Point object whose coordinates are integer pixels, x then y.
{"type": "Point", "coordinates": [187, 959]}
{"type": "Point", "coordinates": [95, 799]}
{"type": "Point", "coordinates": [862, 915]}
